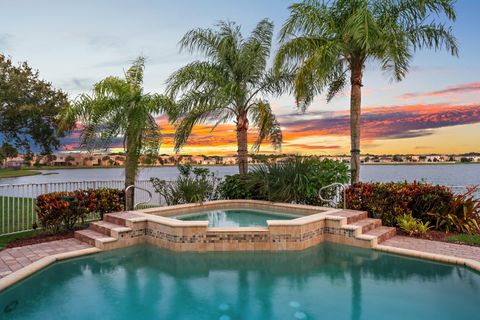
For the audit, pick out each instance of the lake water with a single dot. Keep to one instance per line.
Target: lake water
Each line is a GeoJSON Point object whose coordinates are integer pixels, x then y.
{"type": "Point", "coordinates": [458, 174]}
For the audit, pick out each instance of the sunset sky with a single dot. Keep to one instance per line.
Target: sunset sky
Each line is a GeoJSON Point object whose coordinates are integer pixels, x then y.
{"type": "Point", "coordinates": [74, 44]}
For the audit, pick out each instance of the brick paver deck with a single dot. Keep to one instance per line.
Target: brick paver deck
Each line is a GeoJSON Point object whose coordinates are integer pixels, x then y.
{"type": "Point", "coordinates": [14, 259]}
{"type": "Point", "coordinates": [436, 247]}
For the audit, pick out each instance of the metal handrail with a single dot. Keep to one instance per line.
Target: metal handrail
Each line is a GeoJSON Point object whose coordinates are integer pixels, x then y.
{"type": "Point", "coordinates": [343, 189]}
{"type": "Point", "coordinates": [139, 203]}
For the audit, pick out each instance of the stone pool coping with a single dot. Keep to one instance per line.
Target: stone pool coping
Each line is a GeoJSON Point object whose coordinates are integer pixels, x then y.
{"type": "Point", "coordinates": [38, 265]}
{"type": "Point", "coordinates": [44, 262]}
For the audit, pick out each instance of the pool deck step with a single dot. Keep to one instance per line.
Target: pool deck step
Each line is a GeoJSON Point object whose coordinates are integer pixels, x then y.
{"type": "Point", "coordinates": [367, 224]}
{"type": "Point", "coordinates": [106, 228]}
{"type": "Point", "coordinates": [90, 236]}
{"type": "Point", "coordinates": [351, 215]}
{"type": "Point", "coordinates": [382, 233]}
{"type": "Point", "coordinates": [119, 218]}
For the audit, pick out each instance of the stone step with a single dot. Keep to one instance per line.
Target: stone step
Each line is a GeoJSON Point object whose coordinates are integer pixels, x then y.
{"type": "Point", "coordinates": [120, 217]}
{"type": "Point", "coordinates": [351, 215]}
{"type": "Point", "coordinates": [89, 236]}
{"type": "Point", "coordinates": [105, 227]}
{"type": "Point", "coordinates": [382, 233]}
{"type": "Point", "coordinates": [367, 224]}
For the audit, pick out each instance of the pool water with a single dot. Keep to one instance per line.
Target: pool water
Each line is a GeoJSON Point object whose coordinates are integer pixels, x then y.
{"type": "Point", "coordinates": [329, 281]}
{"type": "Point", "coordinates": [236, 218]}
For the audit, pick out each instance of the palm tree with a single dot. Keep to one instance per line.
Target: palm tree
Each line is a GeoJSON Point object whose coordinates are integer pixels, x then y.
{"type": "Point", "coordinates": [330, 43]}
{"type": "Point", "coordinates": [229, 85]}
{"type": "Point", "coordinates": [118, 108]}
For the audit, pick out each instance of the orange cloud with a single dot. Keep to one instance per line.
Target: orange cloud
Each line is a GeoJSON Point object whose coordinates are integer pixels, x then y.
{"type": "Point", "coordinates": [463, 88]}
{"type": "Point", "coordinates": [379, 123]}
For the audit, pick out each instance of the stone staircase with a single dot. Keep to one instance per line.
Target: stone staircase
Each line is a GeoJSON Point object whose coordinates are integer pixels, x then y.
{"type": "Point", "coordinates": [105, 233]}
{"type": "Point", "coordinates": [365, 228]}
{"type": "Point", "coordinates": [342, 226]}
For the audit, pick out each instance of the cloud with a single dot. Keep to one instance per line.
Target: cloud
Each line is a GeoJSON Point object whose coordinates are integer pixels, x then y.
{"type": "Point", "coordinates": [102, 42]}
{"type": "Point", "coordinates": [311, 146]}
{"type": "Point", "coordinates": [5, 40]}
{"type": "Point", "coordinates": [379, 123]}
{"type": "Point", "coordinates": [386, 122]}
{"type": "Point", "coordinates": [77, 84]}
{"type": "Point", "coordinates": [462, 88]}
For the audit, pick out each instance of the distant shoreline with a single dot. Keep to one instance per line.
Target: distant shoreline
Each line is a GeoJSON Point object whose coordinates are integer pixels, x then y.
{"type": "Point", "coordinates": [15, 173]}
{"type": "Point", "coordinates": [226, 165]}
{"type": "Point", "coordinates": [417, 163]}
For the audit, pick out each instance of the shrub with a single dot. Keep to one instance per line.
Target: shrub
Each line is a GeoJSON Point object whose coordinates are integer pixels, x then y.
{"type": "Point", "coordinates": [387, 201]}
{"type": "Point", "coordinates": [58, 211]}
{"type": "Point", "coordinates": [297, 180]}
{"type": "Point", "coordinates": [236, 187]}
{"type": "Point", "coordinates": [436, 205]}
{"type": "Point", "coordinates": [463, 214]}
{"type": "Point", "coordinates": [192, 185]}
{"type": "Point", "coordinates": [413, 226]}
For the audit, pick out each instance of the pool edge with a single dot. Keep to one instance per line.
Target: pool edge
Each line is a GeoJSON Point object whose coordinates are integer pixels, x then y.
{"type": "Point", "coordinates": [44, 262]}
{"type": "Point", "coordinates": [40, 264]}
{"type": "Point", "coordinates": [470, 263]}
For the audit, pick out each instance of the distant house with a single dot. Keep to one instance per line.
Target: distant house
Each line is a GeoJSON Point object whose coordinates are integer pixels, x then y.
{"type": "Point", "coordinates": [197, 159]}
{"type": "Point", "coordinates": [91, 161]}
{"type": "Point", "coordinates": [209, 161]}
{"type": "Point", "coordinates": [230, 160]}
{"type": "Point", "coordinates": [14, 163]}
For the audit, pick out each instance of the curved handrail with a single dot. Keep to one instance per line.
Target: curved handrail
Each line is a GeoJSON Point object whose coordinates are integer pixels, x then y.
{"type": "Point", "coordinates": [343, 189]}
{"type": "Point", "coordinates": [139, 203]}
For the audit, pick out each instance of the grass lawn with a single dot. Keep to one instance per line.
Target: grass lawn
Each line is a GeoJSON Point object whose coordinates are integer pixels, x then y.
{"type": "Point", "coordinates": [471, 239]}
{"type": "Point", "coordinates": [16, 214]}
{"type": "Point", "coordinates": [12, 173]}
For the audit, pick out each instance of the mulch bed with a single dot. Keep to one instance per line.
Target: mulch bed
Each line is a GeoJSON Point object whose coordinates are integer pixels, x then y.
{"type": "Point", "coordinates": [39, 239]}
{"type": "Point", "coordinates": [436, 236]}
{"type": "Point", "coordinates": [431, 235]}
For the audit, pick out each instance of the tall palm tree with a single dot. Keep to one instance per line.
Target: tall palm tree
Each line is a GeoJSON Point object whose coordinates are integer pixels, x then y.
{"type": "Point", "coordinates": [230, 84]}
{"type": "Point", "coordinates": [330, 43]}
{"type": "Point", "coordinates": [119, 108]}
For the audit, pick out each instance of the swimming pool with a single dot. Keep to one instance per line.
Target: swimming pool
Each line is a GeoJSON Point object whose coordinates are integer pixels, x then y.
{"type": "Point", "coordinates": [236, 217]}
{"type": "Point", "coordinates": [328, 281]}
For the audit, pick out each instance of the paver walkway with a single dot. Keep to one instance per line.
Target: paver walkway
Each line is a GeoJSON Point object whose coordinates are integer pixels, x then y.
{"type": "Point", "coordinates": [437, 247]}
{"type": "Point", "coordinates": [14, 259]}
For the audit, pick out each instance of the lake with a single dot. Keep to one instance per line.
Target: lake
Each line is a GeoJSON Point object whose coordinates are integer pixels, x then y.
{"type": "Point", "coordinates": [453, 175]}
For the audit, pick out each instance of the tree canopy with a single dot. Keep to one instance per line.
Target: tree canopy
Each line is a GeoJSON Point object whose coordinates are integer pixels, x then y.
{"type": "Point", "coordinates": [29, 108]}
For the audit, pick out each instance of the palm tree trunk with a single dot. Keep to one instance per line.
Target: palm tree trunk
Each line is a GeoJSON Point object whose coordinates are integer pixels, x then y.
{"type": "Point", "coordinates": [131, 165]}
{"type": "Point", "coordinates": [242, 143]}
{"type": "Point", "coordinates": [355, 113]}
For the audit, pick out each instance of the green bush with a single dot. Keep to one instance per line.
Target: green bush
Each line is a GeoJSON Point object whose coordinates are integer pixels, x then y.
{"type": "Point", "coordinates": [59, 211]}
{"type": "Point", "coordinates": [387, 201]}
{"type": "Point", "coordinates": [432, 204]}
{"type": "Point", "coordinates": [297, 180]}
{"type": "Point", "coordinates": [462, 215]}
{"type": "Point", "coordinates": [413, 226]}
{"type": "Point", "coordinates": [192, 185]}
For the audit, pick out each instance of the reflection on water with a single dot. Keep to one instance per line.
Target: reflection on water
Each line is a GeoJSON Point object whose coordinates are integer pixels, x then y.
{"type": "Point", "coordinates": [326, 282]}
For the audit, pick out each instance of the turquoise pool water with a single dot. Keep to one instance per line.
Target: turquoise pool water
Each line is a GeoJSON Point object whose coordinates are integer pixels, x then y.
{"type": "Point", "coordinates": [325, 282]}
{"type": "Point", "coordinates": [236, 218]}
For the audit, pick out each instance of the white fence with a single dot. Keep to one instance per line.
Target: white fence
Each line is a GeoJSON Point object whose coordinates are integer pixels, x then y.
{"type": "Point", "coordinates": [17, 201]}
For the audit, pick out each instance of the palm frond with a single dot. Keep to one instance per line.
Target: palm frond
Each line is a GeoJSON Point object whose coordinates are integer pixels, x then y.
{"type": "Point", "coordinates": [268, 127]}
